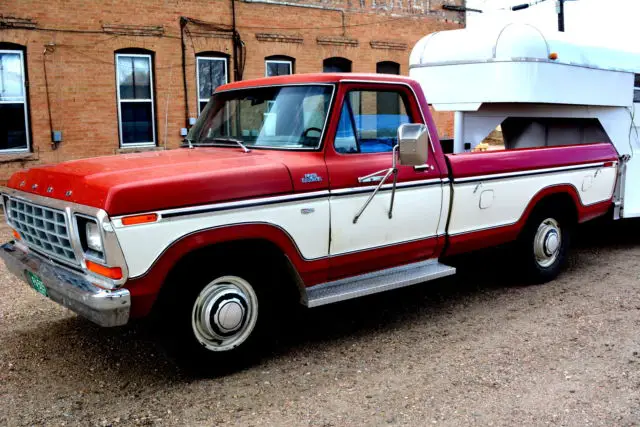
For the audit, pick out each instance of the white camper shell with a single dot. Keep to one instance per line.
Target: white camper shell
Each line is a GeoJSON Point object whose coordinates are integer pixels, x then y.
{"type": "Point", "coordinates": [541, 89]}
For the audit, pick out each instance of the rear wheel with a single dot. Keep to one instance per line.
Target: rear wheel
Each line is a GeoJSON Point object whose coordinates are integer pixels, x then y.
{"type": "Point", "coordinates": [544, 245]}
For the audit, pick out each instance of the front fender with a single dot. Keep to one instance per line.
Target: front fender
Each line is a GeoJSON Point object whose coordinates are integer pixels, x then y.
{"type": "Point", "coordinates": [145, 289]}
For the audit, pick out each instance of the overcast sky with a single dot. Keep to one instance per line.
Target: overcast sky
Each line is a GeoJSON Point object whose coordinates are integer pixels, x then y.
{"type": "Point", "coordinates": [602, 22]}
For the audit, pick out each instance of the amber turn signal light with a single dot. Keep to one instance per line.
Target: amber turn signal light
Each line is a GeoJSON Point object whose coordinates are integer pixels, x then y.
{"type": "Point", "coordinates": [553, 56]}
{"type": "Point", "coordinates": [16, 235]}
{"type": "Point", "coordinates": [114, 273]}
{"type": "Point", "coordinates": [139, 219]}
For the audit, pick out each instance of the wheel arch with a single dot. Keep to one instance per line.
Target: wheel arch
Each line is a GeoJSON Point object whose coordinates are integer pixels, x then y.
{"type": "Point", "coordinates": [563, 197]}
{"type": "Point", "coordinates": [565, 194]}
{"type": "Point", "coordinates": [230, 240]}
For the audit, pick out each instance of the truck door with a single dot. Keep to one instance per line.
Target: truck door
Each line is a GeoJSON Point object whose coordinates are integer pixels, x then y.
{"type": "Point", "coordinates": [360, 142]}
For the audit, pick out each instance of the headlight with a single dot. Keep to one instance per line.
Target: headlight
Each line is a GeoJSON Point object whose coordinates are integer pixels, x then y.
{"type": "Point", "coordinates": [94, 240]}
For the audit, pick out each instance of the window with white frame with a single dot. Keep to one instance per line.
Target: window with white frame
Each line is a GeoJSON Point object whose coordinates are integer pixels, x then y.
{"type": "Point", "coordinates": [278, 67]}
{"type": "Point", "coordinates": [14, 121]}
{"type": "Point", "coordinates": [636, 90]}
{"type": "Point", "coordinates": [211, 72]}
{"type": "Point", "coordinates": [135, 99]}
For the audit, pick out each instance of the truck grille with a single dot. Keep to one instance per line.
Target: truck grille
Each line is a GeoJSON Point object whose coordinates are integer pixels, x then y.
{"type": "Point", "coordinates": [42, 228]}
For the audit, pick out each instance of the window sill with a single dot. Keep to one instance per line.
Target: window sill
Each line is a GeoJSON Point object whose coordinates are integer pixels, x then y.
{"type": "Point", "coordinates": [141, 149]}
{"type": "Point", "coordinates": [17, 157]}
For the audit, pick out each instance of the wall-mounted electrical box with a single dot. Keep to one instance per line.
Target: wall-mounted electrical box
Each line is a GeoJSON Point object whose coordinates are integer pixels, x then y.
{"type": "Point", "coordinates": [183, 131]}
{"type": "Point", "coordinates": [56, 136]}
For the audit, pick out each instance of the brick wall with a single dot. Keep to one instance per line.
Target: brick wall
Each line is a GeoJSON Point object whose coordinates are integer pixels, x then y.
{"type": "Point", "coordinates": [82, 37]}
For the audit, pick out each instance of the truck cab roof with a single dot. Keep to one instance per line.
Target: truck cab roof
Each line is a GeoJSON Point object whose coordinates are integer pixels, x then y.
{"type": "Point", "coordinates": [311, 78]}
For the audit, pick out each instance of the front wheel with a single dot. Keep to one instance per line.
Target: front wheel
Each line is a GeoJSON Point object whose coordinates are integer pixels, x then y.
{"type": "Point", "coordinates": [219, 322]}
{"type": "Point", "coordinates": [225, 313]}
{"type": "Point", "coordinates": [544, 245]}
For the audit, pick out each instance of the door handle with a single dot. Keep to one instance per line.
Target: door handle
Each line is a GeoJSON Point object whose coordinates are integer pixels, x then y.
{"type": "Point", "coordinates": [421, 168]}
{"type": "Point", "coordinates": [365, 179]}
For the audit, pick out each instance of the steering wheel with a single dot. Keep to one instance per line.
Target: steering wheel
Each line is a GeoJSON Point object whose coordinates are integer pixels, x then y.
{"type": "Point", "coordinates": [304, 134]}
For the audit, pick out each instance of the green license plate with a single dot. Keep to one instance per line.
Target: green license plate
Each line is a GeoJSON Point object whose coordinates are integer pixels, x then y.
{"type": "Point", "coordinates": [36, 283]}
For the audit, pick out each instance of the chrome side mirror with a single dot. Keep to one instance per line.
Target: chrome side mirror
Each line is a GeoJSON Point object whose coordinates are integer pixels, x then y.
{"type": "Point", "coordinates": [413, 142]}
{"type": "Point", "coordinates": [413, 146]}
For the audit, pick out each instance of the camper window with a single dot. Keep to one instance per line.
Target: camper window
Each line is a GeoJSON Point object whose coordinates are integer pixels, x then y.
{"type": "Point", "coordinates": [636, 89]}
{"type": "Point", "coordinates": [531, 132]}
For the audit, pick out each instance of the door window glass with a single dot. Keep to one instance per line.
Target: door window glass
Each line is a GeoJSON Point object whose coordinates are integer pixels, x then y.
{"type": "Point", "coordinates": [369, 121]}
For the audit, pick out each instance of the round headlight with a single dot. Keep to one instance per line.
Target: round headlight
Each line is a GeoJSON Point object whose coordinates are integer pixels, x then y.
{"type": "Point", "coordinates": [94, 240]}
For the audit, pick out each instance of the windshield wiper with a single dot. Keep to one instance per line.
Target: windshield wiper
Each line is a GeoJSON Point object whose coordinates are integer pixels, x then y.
{"type": "Point", "coordinates": [233, 140]}
{"type": "Point", "coordinates": [189, 142]}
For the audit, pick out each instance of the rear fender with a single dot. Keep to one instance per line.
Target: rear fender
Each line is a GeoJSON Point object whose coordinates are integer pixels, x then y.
{"type": "Point", "coordinates": [481, 239]}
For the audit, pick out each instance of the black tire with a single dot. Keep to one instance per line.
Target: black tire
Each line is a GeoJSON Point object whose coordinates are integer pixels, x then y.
{"type": "Point", "coordinates": [187, 337]}
{"type": "Point", "coordinates": [540, 262]}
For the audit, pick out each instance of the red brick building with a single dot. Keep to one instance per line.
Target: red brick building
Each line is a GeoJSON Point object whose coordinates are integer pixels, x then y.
{"type": "Point", "coordinates": [86, 78]}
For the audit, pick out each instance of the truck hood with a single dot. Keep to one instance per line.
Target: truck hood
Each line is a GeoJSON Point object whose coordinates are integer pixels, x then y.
{"type": "Point", "coordinates": [150, 181]}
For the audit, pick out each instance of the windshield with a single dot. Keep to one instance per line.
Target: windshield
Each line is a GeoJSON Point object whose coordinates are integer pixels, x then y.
{"type": "Point", "coordinates": [285, 117]}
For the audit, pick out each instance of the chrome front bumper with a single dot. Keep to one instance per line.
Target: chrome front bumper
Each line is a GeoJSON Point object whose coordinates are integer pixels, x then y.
{"type": "Point", "coordinates": [70, 289]}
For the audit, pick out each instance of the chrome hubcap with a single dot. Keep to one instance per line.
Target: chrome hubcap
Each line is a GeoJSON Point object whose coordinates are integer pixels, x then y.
{"type": "Point", "coordinates": [230, 315]}
{"type": "Point", "coordinates": [547, 242]}
{"type": "Point", "coordinates": [225, 313]}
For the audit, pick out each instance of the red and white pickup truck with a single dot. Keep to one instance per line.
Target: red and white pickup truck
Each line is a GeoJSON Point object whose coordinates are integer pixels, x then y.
{"type": "Point", "coordinates": [319, 187]}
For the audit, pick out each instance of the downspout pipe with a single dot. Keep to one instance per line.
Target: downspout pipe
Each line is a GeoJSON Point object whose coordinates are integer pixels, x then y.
{"type": "Point", "coordinates": [48, 48]}
{"type": "Point", "coordinates": [183, 23]}
{"type": "Point", "coordinates": [235, 41]}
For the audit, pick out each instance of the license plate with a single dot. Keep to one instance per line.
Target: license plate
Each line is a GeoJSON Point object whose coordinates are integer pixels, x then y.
{"type": "Point", "coordinates": [36, 283]}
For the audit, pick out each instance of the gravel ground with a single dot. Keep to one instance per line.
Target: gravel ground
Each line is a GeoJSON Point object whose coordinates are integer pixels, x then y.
{"type": "Point", "coordinates": [476, 349]}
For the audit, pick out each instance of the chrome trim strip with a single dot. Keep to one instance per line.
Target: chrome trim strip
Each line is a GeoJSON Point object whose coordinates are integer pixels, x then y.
{"type": "Point", "coordinates": [215, 207]}
{"type": "Point", "coordinates": [388, 245]}
{"type": "Point", "coordinates": [399, 186]}
{"type": "Point", "coordinates": [528, 173]}
{"type": "Point", "coordinates": [265, 201]}
{"type": "Point", "coordinates": [478, 230]}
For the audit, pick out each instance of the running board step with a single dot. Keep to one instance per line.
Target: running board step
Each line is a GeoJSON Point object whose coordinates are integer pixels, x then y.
{"type": "Point", "coordinates": [377, 281]}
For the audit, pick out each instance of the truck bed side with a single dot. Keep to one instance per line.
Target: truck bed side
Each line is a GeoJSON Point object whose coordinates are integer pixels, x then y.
{"type": "Point", "coordinates": [494, 192]}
